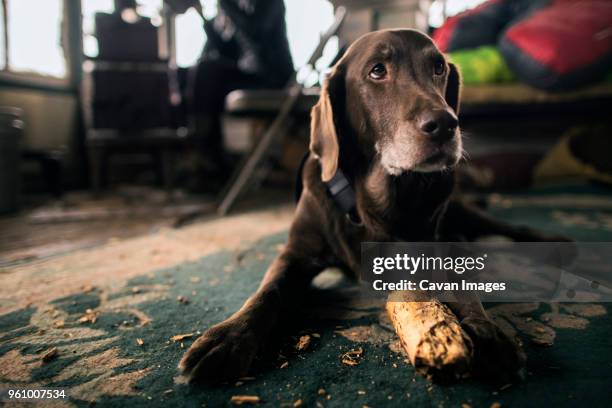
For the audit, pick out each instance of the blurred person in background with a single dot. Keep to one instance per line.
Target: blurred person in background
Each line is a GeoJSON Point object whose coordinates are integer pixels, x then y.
{"type": "Point", "coordinates": [246, 48]}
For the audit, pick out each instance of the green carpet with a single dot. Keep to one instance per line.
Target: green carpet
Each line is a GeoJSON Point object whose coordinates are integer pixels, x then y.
{"type": "Point", "coordinates": [99, 359]}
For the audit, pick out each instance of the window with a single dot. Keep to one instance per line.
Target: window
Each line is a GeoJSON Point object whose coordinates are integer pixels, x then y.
{"type": "Point", "coordinates": [442, 9]}
{"type": "Point", "coordinates": [306, 20]}
{"type": "Point", "coordinates": [190, 37]}
{"type": "Point", "coordinates": [32, 38]}
{"type": "Point", "coordinates": [2, 40]}
{"type": "Point", "coordinates": [89, 9]}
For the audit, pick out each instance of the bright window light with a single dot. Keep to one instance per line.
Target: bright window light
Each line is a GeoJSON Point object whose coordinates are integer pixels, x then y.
{"type": "Point", "coordinates": [209, 8]}
{"type": "Point", "coordinates": [2, 50]}
{"type": "Point", "coordinates": [149, 8]}
{"type": "Point", "coordinates": [306, 21]}
{"type": "Point", "coordinates": [36, 50]}
{"type": "Point", "coordinates": [190, 38]}
{"type": "Point", "coordinates": [440, 8]}
{"type": "Point", "coordinates": [89, 10]}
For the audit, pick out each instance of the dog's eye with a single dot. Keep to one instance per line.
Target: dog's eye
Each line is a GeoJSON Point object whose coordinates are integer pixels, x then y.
{"type": "Point", "coordinates": [378, 72]}
{"type": "Point", "coordinates": [439, 67]}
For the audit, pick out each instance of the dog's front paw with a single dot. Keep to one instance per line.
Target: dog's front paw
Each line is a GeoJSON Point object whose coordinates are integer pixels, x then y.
{"type": "Point", "coordinates": [223, 353]}
{"type": "Point", "coordinates": [496, 355]}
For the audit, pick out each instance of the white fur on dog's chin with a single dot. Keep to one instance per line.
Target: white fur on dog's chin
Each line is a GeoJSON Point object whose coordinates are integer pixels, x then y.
{"type": "Point", "coordinates": [397, 158]}
{"type": "Point", "coordinates": [430, 168]}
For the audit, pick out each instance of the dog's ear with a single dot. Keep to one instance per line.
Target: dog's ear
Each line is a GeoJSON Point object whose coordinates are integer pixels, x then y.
{"type": "Point", "coordinates": [324, 143]}
{"type": "Point", "coordinates": [453, 88]}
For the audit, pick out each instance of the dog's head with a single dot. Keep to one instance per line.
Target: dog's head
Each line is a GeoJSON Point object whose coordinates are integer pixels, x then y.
{"type": "Point", "coordinates": [392, 95]}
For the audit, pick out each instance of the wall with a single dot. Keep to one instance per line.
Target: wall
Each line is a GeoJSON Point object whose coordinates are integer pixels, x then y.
{"type": "Point", "coordinates": [50, 117]}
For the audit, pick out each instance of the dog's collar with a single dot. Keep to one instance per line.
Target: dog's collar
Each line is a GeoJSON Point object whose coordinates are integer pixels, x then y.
{"type": "Point", "coordinates": [339, 188]}
{"type": "Point", "coordinates": [341, 191]}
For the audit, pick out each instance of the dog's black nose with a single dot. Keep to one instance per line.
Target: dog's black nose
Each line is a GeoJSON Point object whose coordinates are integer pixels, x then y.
{"type": "Point", "coordinates": [440, 125]}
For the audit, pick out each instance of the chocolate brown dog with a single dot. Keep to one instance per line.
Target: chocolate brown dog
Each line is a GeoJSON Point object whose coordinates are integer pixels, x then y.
{"type": "Point", "coordinates": [385, 125]}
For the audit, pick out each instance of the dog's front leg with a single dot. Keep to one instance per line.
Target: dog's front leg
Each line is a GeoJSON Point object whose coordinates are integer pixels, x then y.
{"type": "Point", "coordinates": [496, 355]}
{"type": "Point", "coordinates": [226, 350]}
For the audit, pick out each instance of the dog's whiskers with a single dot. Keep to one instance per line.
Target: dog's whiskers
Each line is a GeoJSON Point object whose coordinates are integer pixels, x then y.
{"type": "Point", "coordinates": [465, 155]}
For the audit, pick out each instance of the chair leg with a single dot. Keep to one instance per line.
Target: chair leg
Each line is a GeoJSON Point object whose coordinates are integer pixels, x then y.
{"type": "Point", "coordinates": [245, 172]}
{"type": "Point", "coordinates": [158, 166]}
{"type": "Point", "coordinates": [52, 166]}
{"type": "Point", "coordinates": [96, 160]}
{"type": "Point", "coordinates": [168, 159]}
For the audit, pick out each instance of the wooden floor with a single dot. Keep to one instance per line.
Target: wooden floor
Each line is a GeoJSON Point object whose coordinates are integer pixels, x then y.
{"type": "Point", "coordinates": [47, 228]}
{"type": "Point", "coordinates": [112, 264]}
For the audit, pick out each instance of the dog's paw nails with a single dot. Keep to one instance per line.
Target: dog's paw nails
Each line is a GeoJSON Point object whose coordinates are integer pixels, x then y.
{"type": "Point", "coordinates": [223, 353]}
{"type": "Point", "coordinates": [495, 353]}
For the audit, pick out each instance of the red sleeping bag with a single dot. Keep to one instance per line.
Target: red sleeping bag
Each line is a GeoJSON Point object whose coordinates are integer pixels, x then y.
{"type": "Point", "coordinates": [481, 25]}
{"type": "Point", "coordinates": [565, 45]}
{"type": "Point", "coordinates": [552, 45]}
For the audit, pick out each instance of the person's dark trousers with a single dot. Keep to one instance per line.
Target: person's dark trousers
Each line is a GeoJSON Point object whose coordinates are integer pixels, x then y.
{"type": "Point", "coordinates": [209, 83]}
